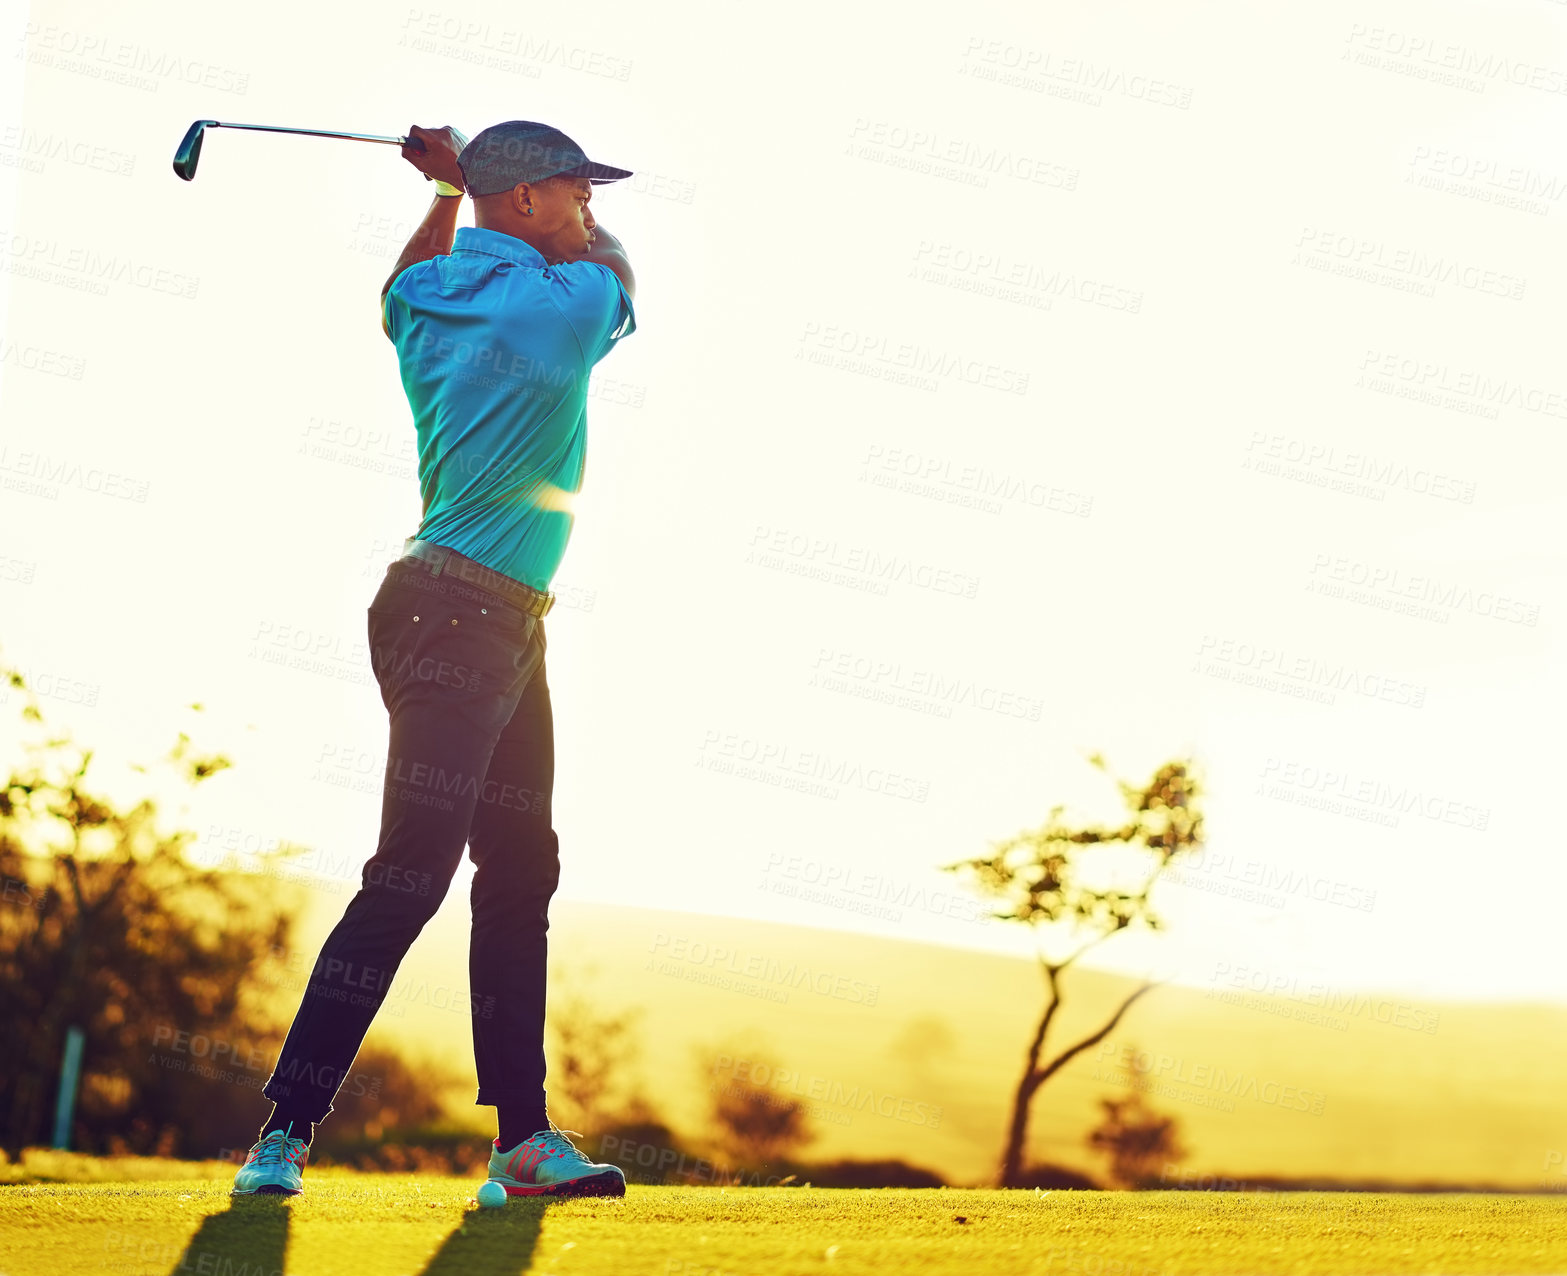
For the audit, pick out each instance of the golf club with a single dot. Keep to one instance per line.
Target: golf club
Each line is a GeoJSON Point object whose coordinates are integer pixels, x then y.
{"type": "Point", "coordinates": [189, 151]}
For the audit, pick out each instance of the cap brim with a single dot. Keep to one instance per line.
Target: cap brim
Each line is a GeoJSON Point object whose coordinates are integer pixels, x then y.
{"type": "Point", "coordinates": [597, 173]}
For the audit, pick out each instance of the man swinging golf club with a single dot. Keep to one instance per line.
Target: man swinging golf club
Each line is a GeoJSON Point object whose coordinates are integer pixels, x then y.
{"type": "Point", "coordinates": [496, 330]}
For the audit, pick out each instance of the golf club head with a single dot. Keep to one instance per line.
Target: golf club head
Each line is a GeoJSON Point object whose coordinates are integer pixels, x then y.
{"type": "Point", "coordinates": [189, 151]}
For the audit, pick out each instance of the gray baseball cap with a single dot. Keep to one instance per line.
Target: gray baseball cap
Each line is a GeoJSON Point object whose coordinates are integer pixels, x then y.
{"type": "Point", "coordinates": [526, 151]}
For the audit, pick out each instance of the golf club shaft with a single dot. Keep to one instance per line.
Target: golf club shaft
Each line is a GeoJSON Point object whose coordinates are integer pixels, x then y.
{"type": "Point", "coordinates": [317, 132]}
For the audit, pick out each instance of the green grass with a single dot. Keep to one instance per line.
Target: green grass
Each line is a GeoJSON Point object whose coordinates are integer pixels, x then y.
{"type": "Point", "coordinates": [351, 1224]}
{"type": "Point", "coordinates": [44, 1165]}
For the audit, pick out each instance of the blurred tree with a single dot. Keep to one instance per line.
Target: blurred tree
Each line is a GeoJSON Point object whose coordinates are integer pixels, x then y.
{"type": "Point", "coordinates": [1138, 1140]}
{"type": "Point", "coordinates": [1077, 887]}
{"type": "Point", "coordinates": [177, 972]}
{"type": "Point", "coordinates": [402, 1113]}
{"type": "Point", "coordinates": [590, 1082]}
{"type": "Point", "coordinates": [388, 1092]}
{"type": "Point", "coordinates": [108, 926]}
{"type": "Point", "coordinates": [754, 1125]}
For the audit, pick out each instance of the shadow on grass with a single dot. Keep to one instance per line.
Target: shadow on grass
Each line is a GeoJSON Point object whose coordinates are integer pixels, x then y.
{"type": "Point", "coordinates": [491, 1242]}
{"type": "Point", "coordinates": [250, 1237]}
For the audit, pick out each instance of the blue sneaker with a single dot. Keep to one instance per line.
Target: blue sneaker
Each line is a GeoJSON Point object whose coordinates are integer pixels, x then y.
{"type": "Point", "coordinates": [274, 1167]}
{"type": "Point", "coordinates": [546, 1164]}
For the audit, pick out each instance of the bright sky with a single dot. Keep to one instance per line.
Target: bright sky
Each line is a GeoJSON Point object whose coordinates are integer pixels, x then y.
{"type": "Point", "coordinates": [1245, 327]}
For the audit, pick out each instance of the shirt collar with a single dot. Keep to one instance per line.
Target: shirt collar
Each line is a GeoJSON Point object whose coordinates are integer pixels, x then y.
{"type": "Point", "coordinates": [495, 243]}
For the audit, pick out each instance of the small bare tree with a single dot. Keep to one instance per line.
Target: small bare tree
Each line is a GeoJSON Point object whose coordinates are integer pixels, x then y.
{"type": "Point", "coordinates": [1074, 885]}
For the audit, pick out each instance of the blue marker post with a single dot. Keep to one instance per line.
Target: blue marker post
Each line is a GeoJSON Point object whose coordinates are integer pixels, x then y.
{"type": "Point", "coordinates": [70, 1074]}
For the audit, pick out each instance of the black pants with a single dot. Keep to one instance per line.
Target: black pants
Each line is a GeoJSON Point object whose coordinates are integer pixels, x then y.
{"type": "Point", "coordinates": [471, 761]}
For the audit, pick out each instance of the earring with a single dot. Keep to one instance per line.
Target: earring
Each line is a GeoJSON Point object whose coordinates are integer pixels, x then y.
{"type": "Point", "coordinates": [528, 211]}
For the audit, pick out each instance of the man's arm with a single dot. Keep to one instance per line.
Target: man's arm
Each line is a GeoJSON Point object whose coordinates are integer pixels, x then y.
{"type": "Point", "coordinates": [608, 251]}
{"type": "Point", "coordinates": [433, 238]}
{"type": "Point", "coordinates": [436, 157]}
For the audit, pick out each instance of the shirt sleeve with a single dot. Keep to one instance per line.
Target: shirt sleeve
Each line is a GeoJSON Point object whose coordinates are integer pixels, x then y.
{"type": "Point", "coordinates": [615, 316]}
{"type": "Point", "coordinates": [395, 302]}
{"type": "Point", "coordinates": [625, 322]}
{"type": "Point", "coordinates": [390, 305]}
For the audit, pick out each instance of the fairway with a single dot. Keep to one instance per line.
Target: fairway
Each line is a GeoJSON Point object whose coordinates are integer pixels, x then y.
{"type": "Point", "coordinates": [349, 1224]}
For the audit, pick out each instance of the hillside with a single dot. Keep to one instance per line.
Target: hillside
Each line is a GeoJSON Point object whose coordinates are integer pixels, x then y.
{"type": "Point", "coordinates": [909, 1050]}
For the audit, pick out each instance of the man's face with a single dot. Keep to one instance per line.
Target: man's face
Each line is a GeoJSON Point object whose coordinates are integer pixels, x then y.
{"type": "Point", "coordinates": [562, 223]}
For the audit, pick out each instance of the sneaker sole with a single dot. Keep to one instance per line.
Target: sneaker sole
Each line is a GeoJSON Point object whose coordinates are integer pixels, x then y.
{"type": "Point", "coordinates": [269, 1189]}
{"type": "Point", "coordinates": [607, 1183]}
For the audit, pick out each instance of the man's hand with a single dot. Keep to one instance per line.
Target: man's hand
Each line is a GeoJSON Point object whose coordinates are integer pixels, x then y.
{"type": "Point", "coordinates": [438, 159]}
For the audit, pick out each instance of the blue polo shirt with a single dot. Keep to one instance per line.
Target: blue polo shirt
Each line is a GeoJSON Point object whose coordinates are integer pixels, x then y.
{"type": "Point", "coordinates": [495, 346]}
